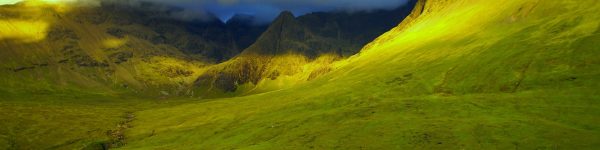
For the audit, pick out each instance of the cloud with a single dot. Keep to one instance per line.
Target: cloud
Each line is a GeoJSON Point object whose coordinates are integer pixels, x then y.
{"type": "Point", "coordinates": [266, 10]}
{"type": "Point", "coordinates": [340, 4]}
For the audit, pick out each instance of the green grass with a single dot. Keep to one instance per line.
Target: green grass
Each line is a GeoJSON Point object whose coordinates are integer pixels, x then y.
{"type": "Point", "coordinates": [45, 121]}
{"type": "Point", "coordinates": [42, 126]}
{"type": "Point", "coordinates": [466, 74]}
{"type": "Point", "coordinates": [472, 75]}
{"type": "Point", "coordinates": [67, 119]}
{"type": "Point", "coordinates": [356, 120]}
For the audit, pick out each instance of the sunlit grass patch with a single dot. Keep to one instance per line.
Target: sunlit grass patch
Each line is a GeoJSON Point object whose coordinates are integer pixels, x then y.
{"type": "Point", "coordinates": [23, 30]}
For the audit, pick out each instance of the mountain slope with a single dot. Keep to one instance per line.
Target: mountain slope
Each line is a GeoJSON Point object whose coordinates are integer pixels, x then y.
{"type": "Point", "coordinates": [72, 77]}
{"type": "Point", "coordinates": [111, 48]}
{"type": "Point", "coordinates": [293, 50]}
{"type": "Point", "coordinates": [458, 74]}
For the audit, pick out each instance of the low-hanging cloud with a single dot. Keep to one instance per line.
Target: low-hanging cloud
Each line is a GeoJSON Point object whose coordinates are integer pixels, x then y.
{"type": "Point", "coordinates": [264, 10]}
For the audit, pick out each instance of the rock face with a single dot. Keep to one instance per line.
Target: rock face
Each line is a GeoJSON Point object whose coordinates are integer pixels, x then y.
{"type": "Point", "coordinates": [146, 46]}
{"type": "Point", "coordinates": [340, 34]}
{"type": "Point", "coordinates": [245, 30]}
{"type": "Point", "coordinates": [314, 34]}
{"type": "Point", "coordinates": [203, 35]}
{"type": "Point", "coordinates": [151, 48]}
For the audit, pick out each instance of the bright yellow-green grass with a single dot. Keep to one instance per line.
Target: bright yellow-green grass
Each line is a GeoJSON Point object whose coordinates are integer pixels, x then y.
{"type": "Point", "coordinates": [461, 74]}
{"type": "Point", "coordinates": [465, 74]}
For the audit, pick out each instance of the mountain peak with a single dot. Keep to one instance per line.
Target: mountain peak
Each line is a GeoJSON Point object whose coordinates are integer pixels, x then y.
{"type": "Point", "coordinates": [241, 19]}
{"type": "Point", "coordinates": [285, 15]}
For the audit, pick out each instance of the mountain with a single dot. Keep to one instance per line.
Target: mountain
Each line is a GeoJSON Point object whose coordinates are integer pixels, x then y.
{"type": "Point", "coordinates": [202, 34]}
{"type": "Point", "coordinates": [113, 47]}
{"type": "Point", "coordinates": [290, 45]}
{"type": "Point", "coordinates": [150, 48]}
{"type": "Point", "coordinates": [315, 34]}
{"type": "Point", "coordinates": [456, 74]}
{"type": "Point", "coordinates": [245, 30]}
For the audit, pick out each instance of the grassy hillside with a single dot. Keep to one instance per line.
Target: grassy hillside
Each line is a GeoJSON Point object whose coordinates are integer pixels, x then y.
{"type": "Point", "coordinates": [66, 80]}
{"type": "Point", "coordinates": [459, 74]}
{"type": "Point", "coordinates": [56, 47]}
{"type": "Point", "coordinates": [72, 76]}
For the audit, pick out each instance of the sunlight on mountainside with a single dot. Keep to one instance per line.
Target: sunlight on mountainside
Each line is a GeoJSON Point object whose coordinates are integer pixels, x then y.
{"type": "Point", "coordinates": [23, 30]}
{"type": "Point", "coordinates": [33, 22]}
{"type": "Point", "coordinates": [456, 74]}
{"type": "Point", "coordinates": [463, 74]}
{"type": "Point", "coordinates": [58, 1]}
{"type": "Point", "coordinates": [114, 42]}
{"type": "Point", "coordinates": [160, 70]}
{"type": "Point", "coordinates": [2, 2]}
{"type": "Point", "coordinates": [61, 6]}
{"type": "Point", "coordinates": [449, 22]}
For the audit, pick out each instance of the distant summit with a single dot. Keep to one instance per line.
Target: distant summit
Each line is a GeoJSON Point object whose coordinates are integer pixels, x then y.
{"type": "Point", "coordinates": [245, 30]}
{"type": "Point", "coordinates": [291, 42]}
{"type": "Point", "coordinates": [241, 19]}
{"type": "Point", "coordinates": [285, 14]}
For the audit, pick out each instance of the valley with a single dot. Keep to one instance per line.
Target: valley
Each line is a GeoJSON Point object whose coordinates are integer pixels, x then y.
{"type": "Point", "coordinates": [448, 74]}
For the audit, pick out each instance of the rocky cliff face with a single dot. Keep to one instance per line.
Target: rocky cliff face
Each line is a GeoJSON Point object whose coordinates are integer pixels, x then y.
{"type": "Point", "coordinates": [112, 47]}
{"type": "Point", "coordinates": [314, 34]}
{"type": "Point", "coordinates": [144, 48]}
{"type": "Point", "coordinates": [203, 35]}
{"type": "Point", "coordinates": [245, 30]}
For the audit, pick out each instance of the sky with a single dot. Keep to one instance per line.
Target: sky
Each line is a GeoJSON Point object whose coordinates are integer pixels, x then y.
{"type": "Point", "coordinates": [267, 10]}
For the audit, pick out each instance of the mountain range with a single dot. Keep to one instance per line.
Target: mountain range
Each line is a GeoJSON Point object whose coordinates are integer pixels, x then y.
{"type": "Point", "coordinates": [118, 47]}
{"type": "Point", "coordinates": [434, 74]}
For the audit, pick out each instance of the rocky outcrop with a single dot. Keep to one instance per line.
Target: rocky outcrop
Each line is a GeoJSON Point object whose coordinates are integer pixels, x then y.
{"type": "Point", "coordinates": [206, 36]}
{"type": "Point", "coordinates": [117, 47]}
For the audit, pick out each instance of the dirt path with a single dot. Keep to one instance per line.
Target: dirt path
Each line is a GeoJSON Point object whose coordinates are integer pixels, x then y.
{"type": "Point", "coordinates": [117, 136]}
